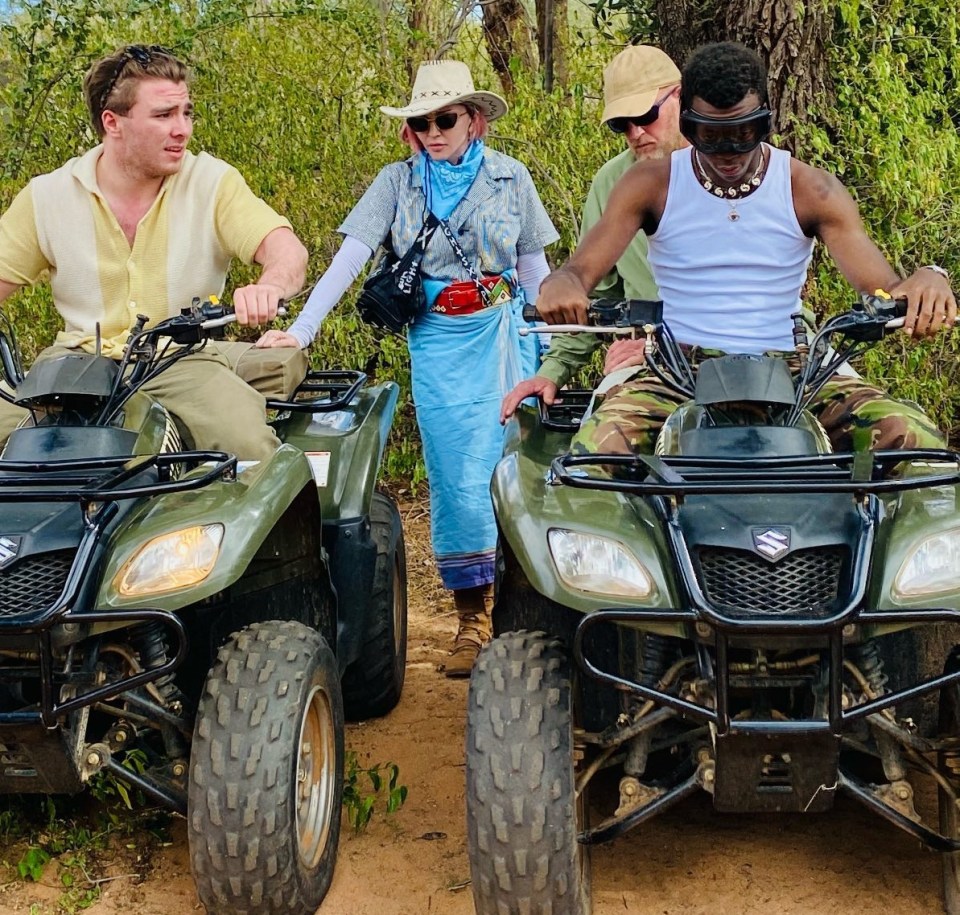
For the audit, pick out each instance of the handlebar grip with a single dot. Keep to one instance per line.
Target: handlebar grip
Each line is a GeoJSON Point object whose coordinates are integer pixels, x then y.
{"type": "Point", "coordinates": [530, 312]}
{"type": "Point", "coordinates": [883, 304]}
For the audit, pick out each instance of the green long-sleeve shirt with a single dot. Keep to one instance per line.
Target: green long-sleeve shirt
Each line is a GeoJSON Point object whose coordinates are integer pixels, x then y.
{"type": "Point", "coordinates": [630, 279]}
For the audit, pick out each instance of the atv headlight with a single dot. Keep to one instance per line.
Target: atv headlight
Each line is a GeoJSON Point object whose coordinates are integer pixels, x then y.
{"type": "Point", "coordinates": [591, 563]}
{"type": "Point", "coordinates": [172, 561]}
{"type": "Point", "coordinates": [932, 567]}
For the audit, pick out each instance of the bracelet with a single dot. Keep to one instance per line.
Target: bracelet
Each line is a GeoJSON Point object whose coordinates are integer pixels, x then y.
{"type": "Point", "coordinates": [936, 268]}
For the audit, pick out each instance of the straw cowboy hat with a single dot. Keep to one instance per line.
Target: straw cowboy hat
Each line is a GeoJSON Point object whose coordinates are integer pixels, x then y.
{"type": "Point", "coordinates": [446, 82]}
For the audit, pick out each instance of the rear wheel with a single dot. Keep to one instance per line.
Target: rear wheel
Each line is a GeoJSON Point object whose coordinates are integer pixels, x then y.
{"type": "Point", "coordinates": [266, 773]}
{"type": "Point", "coordinates": [373, 683]}
{"type": "Point", "coordinates": [948, 762]}
{"type": "Point", "coordinates": [522, 811]}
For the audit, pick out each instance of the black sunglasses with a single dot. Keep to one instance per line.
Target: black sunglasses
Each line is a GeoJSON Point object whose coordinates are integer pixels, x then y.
{"type": "Point", "coordinates": [444, 121]}
{"type": "Point", "coordinates": [619, 125]}
{"type": "Point", "coordinates": [142, 54]}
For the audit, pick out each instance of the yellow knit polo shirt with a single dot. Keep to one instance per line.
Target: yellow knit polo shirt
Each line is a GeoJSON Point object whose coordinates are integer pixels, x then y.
{"type": "Point", "coordinates": [60, 222]}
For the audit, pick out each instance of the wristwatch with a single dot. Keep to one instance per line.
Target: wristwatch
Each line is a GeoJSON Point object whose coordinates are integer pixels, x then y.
{"type": "Point", "coordinates": [936, 268]}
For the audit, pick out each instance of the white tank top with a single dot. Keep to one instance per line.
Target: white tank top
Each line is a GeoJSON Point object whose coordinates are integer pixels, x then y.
{"type": "Point", "coordinates": [730, 284]}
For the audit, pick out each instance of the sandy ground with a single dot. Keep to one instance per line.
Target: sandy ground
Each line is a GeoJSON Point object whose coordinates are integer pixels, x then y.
{"type": "Point", "coordinates": [414, 862]}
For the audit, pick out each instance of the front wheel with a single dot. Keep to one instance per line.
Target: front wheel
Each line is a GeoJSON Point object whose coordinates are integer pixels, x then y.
{"type": "Point", "coordinates": [948, 762]}
{"type": "Point", "coordinates": [266, 773]}
{"type": "Point", "coordinates": [522, 810]}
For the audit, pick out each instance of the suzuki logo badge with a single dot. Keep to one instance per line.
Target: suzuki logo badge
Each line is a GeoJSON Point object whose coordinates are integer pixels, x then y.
{"type": "Point", "coordinates": [771, 543]}
{"type": "Point", "coordinates": [9, 547]}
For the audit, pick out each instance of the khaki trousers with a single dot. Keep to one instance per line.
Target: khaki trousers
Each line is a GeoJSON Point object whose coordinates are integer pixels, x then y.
{"type": "Point", "coordinates": [217, 395]}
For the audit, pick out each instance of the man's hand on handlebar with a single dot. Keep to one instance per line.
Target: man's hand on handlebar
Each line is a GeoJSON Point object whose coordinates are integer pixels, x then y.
{"type": "Point", "coordinates": [257, 303]}
{"type": "Point", "coordinates": [931, 303]}
{"type": "Point", "coordinates": [624, 352]}
{"type": "Point", "coordinates": [543, 388]}
{"type": "Point", "coordinates": [562, 299]}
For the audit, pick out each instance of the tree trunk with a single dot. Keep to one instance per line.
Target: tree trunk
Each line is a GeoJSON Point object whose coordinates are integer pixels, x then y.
{"type": "Point", "coordinates": [553, 41]}
{"type": "Point", "coordinates": [507, 34]}
{"type": "Point", "coordinates": [792, 38]}
{"type": "Point", "coordinates": [684, 25]}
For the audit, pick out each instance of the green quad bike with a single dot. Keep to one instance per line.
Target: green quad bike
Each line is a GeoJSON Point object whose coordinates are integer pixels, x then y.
{"type": "Point", "coordinates": [744, 613]}
{"type": "Point", "coordinates": [195, 626]}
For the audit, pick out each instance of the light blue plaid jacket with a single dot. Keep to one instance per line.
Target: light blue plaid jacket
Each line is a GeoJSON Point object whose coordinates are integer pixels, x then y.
{"type": "Point", "coordinates": [499, 218]}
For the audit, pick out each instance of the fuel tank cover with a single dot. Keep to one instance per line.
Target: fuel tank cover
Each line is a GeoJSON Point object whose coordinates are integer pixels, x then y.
{"type": "Point", "coordinates": [726, 379]}
{"type": "Point", "coordinates": [68, 375]}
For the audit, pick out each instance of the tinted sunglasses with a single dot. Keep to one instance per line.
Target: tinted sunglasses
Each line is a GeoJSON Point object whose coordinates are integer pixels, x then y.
{"type": "Point", "coordinates": [726, 136]}
{"type": "Point", "coordinates": [619, 125]}
{"type": "Point", "coordinates": [142, 54]}
{"type": "Point", "coordinates": [444, 121]}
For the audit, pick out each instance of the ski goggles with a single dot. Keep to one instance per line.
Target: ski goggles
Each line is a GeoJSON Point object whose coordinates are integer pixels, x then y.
{"type": "Point", "coordinates": [443, 121]}
{"type": "Point", "coordinates": [619, 125]}
{"type": "Point", "coordinates": [725, 136]}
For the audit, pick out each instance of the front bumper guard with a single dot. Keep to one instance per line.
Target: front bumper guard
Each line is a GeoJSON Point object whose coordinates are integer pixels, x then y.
{"type": "Point", "coordinates": [827, 731]}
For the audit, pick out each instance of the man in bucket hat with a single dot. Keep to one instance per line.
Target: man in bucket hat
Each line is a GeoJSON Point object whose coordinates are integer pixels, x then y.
{"type": "Point", "coordinates": [641, 89]}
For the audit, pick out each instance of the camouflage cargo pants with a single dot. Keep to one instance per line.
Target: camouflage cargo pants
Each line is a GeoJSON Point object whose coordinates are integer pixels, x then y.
{"type": "Point", "coordinates": [856, 415]}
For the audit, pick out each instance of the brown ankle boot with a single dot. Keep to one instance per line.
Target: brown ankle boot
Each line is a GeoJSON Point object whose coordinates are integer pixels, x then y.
{"type": "Point", "coordinates": [473, 630]}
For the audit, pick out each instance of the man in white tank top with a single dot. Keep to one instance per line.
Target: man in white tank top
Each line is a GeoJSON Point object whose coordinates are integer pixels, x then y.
{"type": "Point", "coordinates": [731, 222]}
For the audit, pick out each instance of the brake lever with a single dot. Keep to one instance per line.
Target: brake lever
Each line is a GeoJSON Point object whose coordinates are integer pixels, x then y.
{"type": "Point", "coordinates": [230, 317]}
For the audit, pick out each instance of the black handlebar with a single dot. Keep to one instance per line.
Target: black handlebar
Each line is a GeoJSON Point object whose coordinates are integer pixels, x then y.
{"type": "Point", "coordinates": [869, 314]}
{"type": "Point", "coordinates": [613, 312]}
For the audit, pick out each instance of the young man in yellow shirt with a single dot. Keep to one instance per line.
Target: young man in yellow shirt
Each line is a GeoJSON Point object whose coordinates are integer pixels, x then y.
{"type": "Point", "coordinates": [139, 225]}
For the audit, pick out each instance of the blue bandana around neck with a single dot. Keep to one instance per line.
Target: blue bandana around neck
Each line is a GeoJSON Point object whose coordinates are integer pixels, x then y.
{"type": "Point", "coordinates": [446, 184]}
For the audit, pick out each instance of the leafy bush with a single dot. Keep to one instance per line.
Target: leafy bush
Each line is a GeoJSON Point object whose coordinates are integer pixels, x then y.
{"type": "Point", "coordinates": [289, 92]}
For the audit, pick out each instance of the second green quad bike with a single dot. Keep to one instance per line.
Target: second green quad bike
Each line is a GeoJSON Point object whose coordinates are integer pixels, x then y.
{"type": "Point", "coordinates": [195, 626]}
{"type": "Point", "coordinates": [743, 613]}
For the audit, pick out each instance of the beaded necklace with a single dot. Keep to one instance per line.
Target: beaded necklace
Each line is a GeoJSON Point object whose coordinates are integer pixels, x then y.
{"type": "Point", "coordinates": [731, 194]}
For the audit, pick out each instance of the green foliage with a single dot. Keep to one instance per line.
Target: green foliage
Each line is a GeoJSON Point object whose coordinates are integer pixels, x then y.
{"type": "Point", "coordinates": [31, 865]}
{"type": "Point", "coordinates": [365, 786]}
{"type": "Point", "coordinates": [289, 92]}
{"type": "Point", "coordinates": [109, 789]}
{"type": "Point", "coordinates": [74, 837]}
{"type": "Point", "coordinates": [892, 138]}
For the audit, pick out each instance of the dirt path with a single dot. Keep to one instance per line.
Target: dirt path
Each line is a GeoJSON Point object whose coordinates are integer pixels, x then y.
{"type": "Point", "coordinates": [414, 862]}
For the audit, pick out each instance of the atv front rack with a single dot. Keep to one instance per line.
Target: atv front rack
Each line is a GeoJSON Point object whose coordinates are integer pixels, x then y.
{"type": "Point", "coordinates": [811, 744]}
{"type": "Point", "coordinates": [678, 476]}
{"type": "Point", "coordinates": [86, 480]}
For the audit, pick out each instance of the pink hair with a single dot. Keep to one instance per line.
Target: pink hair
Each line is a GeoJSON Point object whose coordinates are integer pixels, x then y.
{"type": "Point", "coordinates": [479, 128]}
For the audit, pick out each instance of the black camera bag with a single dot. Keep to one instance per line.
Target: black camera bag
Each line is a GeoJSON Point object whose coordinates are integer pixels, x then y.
{"type": "Point", "coordinates": [392, 295]}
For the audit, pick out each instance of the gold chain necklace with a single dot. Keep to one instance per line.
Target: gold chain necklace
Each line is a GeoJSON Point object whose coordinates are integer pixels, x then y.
{"type": "Point", "coordinates": [730, 194]}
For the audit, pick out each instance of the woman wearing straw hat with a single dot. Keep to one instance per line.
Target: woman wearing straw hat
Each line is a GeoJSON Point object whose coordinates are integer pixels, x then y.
{"type": "Point", "coordinates": [465, 351]}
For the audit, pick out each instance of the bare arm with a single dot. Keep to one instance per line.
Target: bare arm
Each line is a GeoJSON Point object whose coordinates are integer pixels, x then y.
{"type": "Point", "coordinates": [284, 261]}
{"type": "Point", "coordinates": [636, 202]}
{"type": "Point", "coordinates": [825, 208]}
{"type": "Point", "coordinates": [7, 290]}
